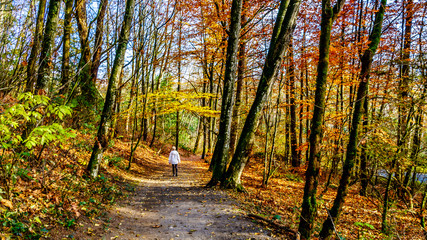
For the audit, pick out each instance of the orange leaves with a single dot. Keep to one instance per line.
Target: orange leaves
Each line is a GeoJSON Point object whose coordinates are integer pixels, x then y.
{"type": "Point", "coordinates": [7, 203]}
{"type": "Point", "coordinates": [75, 209]}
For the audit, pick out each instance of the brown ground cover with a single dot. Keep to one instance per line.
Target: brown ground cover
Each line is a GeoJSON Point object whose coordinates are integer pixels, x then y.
{"type": "Point", "coordinates": [283, 197]}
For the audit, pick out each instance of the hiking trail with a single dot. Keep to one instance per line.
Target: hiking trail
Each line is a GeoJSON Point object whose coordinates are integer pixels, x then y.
{"type": "Point", "coordinates": [161, 206]}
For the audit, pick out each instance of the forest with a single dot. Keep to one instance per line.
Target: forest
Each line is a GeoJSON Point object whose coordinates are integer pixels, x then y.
{"type": "Point", "coordinates": [312, 110]}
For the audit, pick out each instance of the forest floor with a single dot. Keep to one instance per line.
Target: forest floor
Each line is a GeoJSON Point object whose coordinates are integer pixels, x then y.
{"type": "Point", "coordinates": [160, 206]}
{"type": "Point", "coordinates": [156, 205]}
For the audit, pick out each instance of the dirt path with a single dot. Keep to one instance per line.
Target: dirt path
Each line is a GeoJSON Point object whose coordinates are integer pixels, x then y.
{"type": "Point", "coordinates": [166, 207]}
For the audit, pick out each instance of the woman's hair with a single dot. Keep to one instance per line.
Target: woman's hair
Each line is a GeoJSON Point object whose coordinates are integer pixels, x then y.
{"type": "Point", "coordinates": [173, 148]}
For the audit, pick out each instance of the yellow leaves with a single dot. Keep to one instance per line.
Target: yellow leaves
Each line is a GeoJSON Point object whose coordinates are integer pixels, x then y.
{"type": "Point", "coordinates": [165, 102]}
{"type": "Point", "coordinates": [90, 231]}
{"type": "Point", "coordinates": [37, 219]}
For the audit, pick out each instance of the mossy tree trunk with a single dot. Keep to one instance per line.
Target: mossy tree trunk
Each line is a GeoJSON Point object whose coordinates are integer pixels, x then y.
{"type": "Point", "coordinates": [65, 79]}
{"type": "Point", "coordinates": [364, 156]}
{"type": "Point", "coordinates": [309, 203]}
{"type": "Point", "coordinates": [103, 131]}
{"type": "Point", "coordinates": [374, 40]}
{"type": "Point", "coordinates": [88, 66]}
{"type": "Point", "coordinates": [239, 90]}
{"type": "Point", "coordinates": [35, 50]}
{"type": "Point", "coordinates": [96, 59]}
{"type": "Point", "coordinates": [282, 32]}
{"type": "Point", "coordinates": [47, 44]}
{"type": "Point", "coordinates": [85, 63]}
{"type": "Point", "coordinates": [220, 154]}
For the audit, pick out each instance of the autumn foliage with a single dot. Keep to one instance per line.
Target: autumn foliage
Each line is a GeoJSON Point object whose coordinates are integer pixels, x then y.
{"type": "Point", "coordinates": [166, 62]}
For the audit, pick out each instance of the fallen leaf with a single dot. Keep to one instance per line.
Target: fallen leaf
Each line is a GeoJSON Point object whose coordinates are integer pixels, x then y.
{"type": "Point", "coordinates": [6, 203]}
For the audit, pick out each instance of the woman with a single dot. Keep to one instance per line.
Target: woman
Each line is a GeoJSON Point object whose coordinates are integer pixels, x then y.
{"type": "Point", "coordinates": [174, 159]}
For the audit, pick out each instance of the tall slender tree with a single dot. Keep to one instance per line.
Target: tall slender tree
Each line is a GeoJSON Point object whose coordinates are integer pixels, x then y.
{"type": "Point", "coordinates": [295, 153]}
{"type": "Point", "coordinates": [88, 66]}
{"type": "Point", "coordinates": [220, 154]}
{"type": "Point", "coordinates": [179, 78]}
{"type": "Point", "coordinates": [65, 79]}
{"type": "Point", "coordinates": [35, 49]}
{"type": "Point", "coordinates": [282, 32]}
{"type": "Point", "coordinates": [47, 44]}
{"type": "Point", "coordinates": [374, 40]}
{"type": "Point", "coordinates": [404, 110]}
{"type": "Point", "coordinates": [96, 59]}
{"type": "Point", "coordinates": [309, 202]}
{"type": "Point", "coordinates": [239, 88]}
{"type": "Point", "coordinates": [102, 140]}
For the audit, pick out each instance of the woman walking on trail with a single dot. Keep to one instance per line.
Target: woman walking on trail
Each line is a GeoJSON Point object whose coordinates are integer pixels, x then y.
{"type": "Point", "coordinates": [174, 159]}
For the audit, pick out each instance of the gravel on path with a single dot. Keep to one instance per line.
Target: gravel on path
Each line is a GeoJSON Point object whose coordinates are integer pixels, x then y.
{"type": "Point", "coordinates": [165, 207]}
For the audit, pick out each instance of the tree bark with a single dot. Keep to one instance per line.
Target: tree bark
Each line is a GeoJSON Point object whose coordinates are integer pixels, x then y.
{"type": "Point", "coordinates": [35, 50]}
{"type": "Point", "coordinates": [295, 155]}
{"type": "Point", "coordinates": [96, 59]}
{"type": "Point", "coordinates": [239, 91]}
{"type": "Point", "coordinates": [88, 90]}
{"type": "Point", "coordinates": [199, 130]}
{"type": "Point", "coordinates": [65, 79]}
{"type": "Point", "coordinates": [179, 82]}
{"type": "Point", "coordinates": [220, 154]}
{"type": "Point", "coordinates": [404, 112]}
{"type": "Point", "coordinates": [309, 203]}
{"type": "Point", "coordinates": [103, 131]}
{"type": "Point", "coordinates": [47, 44]}
{"type": "Point", "coordinates": [405, 70]}
{"type": "Point", "coordinates": [374, 39]}
{"type": "Point", "coordinates": [364, 158]}
{"type": "Point", "coordinates": [283, 28]}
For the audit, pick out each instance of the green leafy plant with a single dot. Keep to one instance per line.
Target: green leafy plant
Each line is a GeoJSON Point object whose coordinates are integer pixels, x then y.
{"type": "Point", "coordinates": [362, 230]}
{"type": "Point", "coordinates": [31, 122]}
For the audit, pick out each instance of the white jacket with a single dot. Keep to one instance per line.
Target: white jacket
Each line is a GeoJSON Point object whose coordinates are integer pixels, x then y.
{"type": "Point", "coordinates": [174, 157]}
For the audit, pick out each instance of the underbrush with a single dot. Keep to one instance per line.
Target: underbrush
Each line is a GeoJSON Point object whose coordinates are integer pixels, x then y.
{"type": "Point", "coordinates": [360, 219]}
{"type": "Point", "coordinates": [58, 194]}
{"type": "Point", "coordinates": [43, 181]}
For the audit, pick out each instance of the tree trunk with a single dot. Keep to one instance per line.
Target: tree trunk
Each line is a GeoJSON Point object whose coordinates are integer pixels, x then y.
{"type": "Point", "coordinates": [103, 131]}
{"type": "Point", "coordinates": [199, 130]}
{"type": "Point", "coordinates": [404, 110]}
{"type": "Point", "coordinates": [266, 116]}
{"type": "Point", "coordinates": [84, 79]}
{"type": "Point", "coordinates": [295, 155]}
{"type": "Point", "coordinates": [179, 82]}
{"type": "Point", "coordinates": [287, 143]}
{"type": "Point", "coordinates": [364, 158]}
{"type": "Point", "coordinates": [309, 203]}
{"type": "Point", "coordinates": [35, 50]}
{"type": "Point", "coordinates": [415, 150]}
{"type": "Point", "coordinates": [239, 90]}
{"type": "Point", "coordinates": [47, 44]}
{"type": "Point", "coordinates": [404, 84]}
{"type": "Point", "coordinates": [283, 28]}
{"type": "Point", "coordinates": [96, 59]}
{"type": "Point", "coordinates": [220, 154]}
{"type": "Point", "coordinates": [374, 39]}
{"type": "Point", "coordinates": [65, 80]}
{"type": "Point", "coordinates": [205, 128]}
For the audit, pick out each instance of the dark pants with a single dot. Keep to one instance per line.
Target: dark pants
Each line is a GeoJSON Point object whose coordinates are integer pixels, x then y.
{"type": "Point", "coordinates": [175, 169]}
